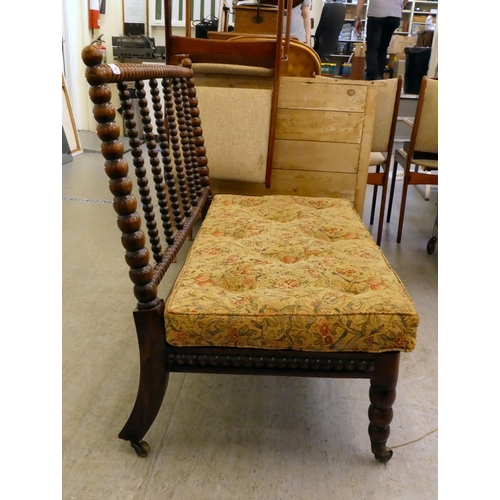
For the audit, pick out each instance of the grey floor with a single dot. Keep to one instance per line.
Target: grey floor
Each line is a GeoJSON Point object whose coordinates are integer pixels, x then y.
{"type": "Point", "coordinates": [229, 437]}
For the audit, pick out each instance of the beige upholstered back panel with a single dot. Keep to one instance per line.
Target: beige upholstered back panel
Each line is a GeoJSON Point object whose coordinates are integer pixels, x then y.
{"type": "Point", "coordinates": [427, 137]}
{"type": "Point", "coordinates": [383, 118]}
{"type": "Point", "coordinates": [236, 145]}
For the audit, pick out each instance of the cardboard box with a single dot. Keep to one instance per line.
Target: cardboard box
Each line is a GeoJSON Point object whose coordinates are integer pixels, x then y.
{"type": "Point", "coordinates": [400, 42]}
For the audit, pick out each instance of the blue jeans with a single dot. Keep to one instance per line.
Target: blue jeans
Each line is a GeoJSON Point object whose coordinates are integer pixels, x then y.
{"type": "Point", "coordinates": [379, 31]}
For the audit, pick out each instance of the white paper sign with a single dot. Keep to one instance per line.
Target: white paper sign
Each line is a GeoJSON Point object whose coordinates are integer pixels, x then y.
{"type": "Point", "coordinates": [134, 11]}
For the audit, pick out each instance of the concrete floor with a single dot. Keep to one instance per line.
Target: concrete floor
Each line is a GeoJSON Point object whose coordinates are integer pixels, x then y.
{"type": "Point", "coordinates": [230, 437]}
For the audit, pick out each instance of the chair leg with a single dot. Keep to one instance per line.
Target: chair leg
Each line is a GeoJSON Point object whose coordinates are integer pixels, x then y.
{"type": "Point", "coordinates": [403, 206]}
{"type": "Point", "coordinates": [374, 198]}
{"type": "Point", "coordinates": [382, 397]}
{"type": "Point", "coordinates": [391, 194]}
{"type": "Point", "coordinates": [385, 182]}
{"type": "Point", "coordinates": [153, 378]}
{"type": "Point", "coordinates": [374, 204]}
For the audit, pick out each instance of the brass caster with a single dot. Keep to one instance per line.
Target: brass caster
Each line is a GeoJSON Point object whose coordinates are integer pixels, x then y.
{"type": "Point", "coordinates": [141, 448]}
{"type": "Point", "coordinates": [385, 456]}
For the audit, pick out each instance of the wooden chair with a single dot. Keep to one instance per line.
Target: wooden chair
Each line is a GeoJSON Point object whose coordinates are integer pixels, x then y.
{"type": "Point", "coordinates": [272, 285]}
{"type": "Point", "coordinates": [254, 65]}
{"type": "Point", "coordinates": [247, 54]}
{"type": "Point", "coordinates": [389, 97]}
{"type": "Point", "coordinates": [424, 140]}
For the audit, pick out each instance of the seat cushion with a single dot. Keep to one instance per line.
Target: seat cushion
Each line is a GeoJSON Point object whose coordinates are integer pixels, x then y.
{"type": "Point", "coordinates": [286, 272]}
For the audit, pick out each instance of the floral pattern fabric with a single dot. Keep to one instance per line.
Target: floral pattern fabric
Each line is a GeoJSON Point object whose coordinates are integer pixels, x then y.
{"type": "Point", "coordinates": [286, 272]}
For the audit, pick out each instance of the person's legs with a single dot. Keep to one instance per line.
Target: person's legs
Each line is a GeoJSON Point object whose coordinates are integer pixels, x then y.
{"type": "Point", "coordinates": [389, 26]}
{"type": "Point", "coordinates": [374, 27]}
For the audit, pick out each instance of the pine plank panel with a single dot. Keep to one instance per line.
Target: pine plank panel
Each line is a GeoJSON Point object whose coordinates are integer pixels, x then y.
{"type": "Point", "coordinates": [316, 156]}
{"type": "Point", "coordinates": [322, 94]}
{"type": "Point", "coordinates": [316, 125]}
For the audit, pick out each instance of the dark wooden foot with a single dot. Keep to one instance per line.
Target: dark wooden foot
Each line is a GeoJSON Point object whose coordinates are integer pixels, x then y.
{"type": "Point", "coordinates": [153, 378]}
{"type": "Point", "coordinates": [382, 397]}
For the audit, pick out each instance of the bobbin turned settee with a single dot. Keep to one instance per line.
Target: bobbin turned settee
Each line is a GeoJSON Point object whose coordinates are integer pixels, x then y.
{"type": "Point", "coordinates": [272, 285]}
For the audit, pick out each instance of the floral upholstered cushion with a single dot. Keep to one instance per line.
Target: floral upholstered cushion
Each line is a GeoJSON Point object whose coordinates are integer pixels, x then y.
{"type": "Point", "coordinates": [286, 272]}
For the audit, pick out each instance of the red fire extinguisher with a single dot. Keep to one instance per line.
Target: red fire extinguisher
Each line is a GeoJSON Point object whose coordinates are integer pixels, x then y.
{"type": "Point", "coordinates": [100, 43]}
{"type": "Point", "coordinates": [94, 14]}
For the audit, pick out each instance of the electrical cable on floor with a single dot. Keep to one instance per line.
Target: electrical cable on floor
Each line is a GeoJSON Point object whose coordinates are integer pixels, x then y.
{"type": "Point", "coordinates": [415, 440]}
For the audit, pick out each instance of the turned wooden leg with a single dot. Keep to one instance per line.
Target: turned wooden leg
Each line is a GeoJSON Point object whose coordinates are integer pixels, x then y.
{"type": "Point", "coordinates": [374, 204]}
{"type": "Point", "coordinates": [382, 397]}
{"type": "Point", "coordinates": [153, 378]}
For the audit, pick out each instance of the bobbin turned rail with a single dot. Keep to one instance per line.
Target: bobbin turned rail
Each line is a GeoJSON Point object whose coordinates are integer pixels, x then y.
{"type": "Point", "coordinates": [270, 342]}
{"type": "Point", "coordinates": [180, 177]}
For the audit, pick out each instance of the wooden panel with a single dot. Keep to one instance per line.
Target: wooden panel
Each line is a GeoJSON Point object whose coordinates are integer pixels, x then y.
{"type": "Point", "coordinates": [294, 182]}
{"type": "Point", "coordinates": [313, 125]}
{"type": "Point", "coordinates": [316, 156]}
{"type": "Point", "coordinates": [322, 94]}
{"type": "Point", "coordinates": [305, 183]}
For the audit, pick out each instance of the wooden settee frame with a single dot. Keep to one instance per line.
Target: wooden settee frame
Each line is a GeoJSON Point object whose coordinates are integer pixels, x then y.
{"type": "Point", "coordinates": [180, 178]}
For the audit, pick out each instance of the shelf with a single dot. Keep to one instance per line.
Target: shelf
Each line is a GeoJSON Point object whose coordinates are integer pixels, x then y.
{"type": "Point", "coordinates": [412, 20]}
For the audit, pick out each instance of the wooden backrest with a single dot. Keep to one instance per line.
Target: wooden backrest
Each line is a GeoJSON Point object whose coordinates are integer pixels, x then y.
{"type": "Point", "coordinates": [425, 127]}
{"type": "Point", "coordinates": [172, 178]}
{"type": "Point", "coordinates": [388, 99]}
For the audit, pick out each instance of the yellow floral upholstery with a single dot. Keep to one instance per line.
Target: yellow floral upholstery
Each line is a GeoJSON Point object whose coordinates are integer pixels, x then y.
{"type": "Point", "coordinates": [285, 272]}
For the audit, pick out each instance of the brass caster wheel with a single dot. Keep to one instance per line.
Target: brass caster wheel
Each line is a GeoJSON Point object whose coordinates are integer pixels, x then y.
{"type": "Point", "coordinates": [385, 456]}
{"type": "Point", "coordinates": [141, 448]}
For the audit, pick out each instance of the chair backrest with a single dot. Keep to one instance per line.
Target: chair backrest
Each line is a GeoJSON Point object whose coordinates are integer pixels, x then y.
{"type": "Point", "coordinates": [263, 53]}
{"type": "Point", "coordinates": [326, 38]}
{"type": "Point", "coordinates": [388, 99]}
{"type": "Point", "coordinates": [425, 127]}
{"type": "Point", "coordinates": [172, 177]}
